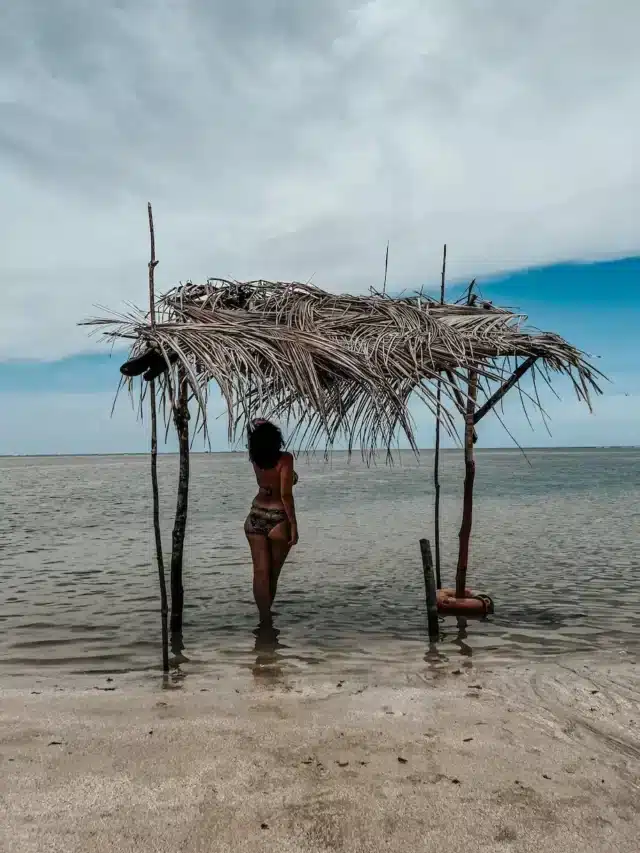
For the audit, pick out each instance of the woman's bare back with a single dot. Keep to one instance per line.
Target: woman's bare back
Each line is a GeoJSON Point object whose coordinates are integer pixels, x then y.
{"type": "Point", "coordinates": [269, 482]}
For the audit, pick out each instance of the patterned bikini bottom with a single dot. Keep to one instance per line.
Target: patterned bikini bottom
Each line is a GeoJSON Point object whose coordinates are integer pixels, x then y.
{"type": "Point", "coordinates": [262, 520]}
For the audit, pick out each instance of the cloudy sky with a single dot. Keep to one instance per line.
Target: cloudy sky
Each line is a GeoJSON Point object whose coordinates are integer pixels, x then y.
{"type": "Point", "coordinates": [289, 139]}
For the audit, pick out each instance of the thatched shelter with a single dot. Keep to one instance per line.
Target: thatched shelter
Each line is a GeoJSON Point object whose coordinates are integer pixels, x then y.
{"type": "Point", "coordinates": [333, 367]}
{"type": "Point", "coordinates": [339, 367]}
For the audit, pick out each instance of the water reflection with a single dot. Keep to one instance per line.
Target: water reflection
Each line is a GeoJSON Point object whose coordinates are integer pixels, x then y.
{"type": "Point", "coordinates": [465, 648]}
{"type": "Point", "coordinates": [436, 660]}
{"type": "Point", "coordinates": [177, 648]}
{"type": "Point", "coordinates": [437, 655]}
{"type": "Point", "coordinates": [174, 678]}
{"type": "Point", "coordinates": [268, 663]}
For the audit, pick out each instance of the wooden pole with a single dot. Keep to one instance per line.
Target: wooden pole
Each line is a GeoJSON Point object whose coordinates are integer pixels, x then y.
{"type": "Point", "coordinates": [164, 607]}
{"type": "Point", "coordinates": [462, 408]}
{"type": "Point", "coordinates": [469, 474]}
{"type": "Point", "coordinates": [469, 478]}
{"type": "Point", "coordinates": [386, 269]}
{"type": "Point", "coordinates": [181, 421]}
{"type": "Point", "coordinates": [430, 589]}
{"type": "Point", "coordinates": [436, 460]}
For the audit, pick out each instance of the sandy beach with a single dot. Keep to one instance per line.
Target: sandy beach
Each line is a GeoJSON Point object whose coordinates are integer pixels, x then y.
{"type": "Point", "coordinates": [521, 758]}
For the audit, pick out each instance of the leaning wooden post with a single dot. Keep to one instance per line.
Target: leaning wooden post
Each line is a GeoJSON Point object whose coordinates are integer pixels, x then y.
{"type": "Point", "coordinates": [430, 589]}
{"type": "Point", "coordinates": [495, 398]}
{"type": "Point", "coordinates": [164, 608]}
{"type": "Point", "coordinates": [181, 421]}
{"type": "Point", "coordinates": [469, 477]}
{"type": "Point", "coordinates": [436, 459]}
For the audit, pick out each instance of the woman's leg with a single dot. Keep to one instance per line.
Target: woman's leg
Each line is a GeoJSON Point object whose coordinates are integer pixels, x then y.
{"type": "Point", "coordinates": [261, 556]}
{"type": "Point", "coordinates": [279, 548]}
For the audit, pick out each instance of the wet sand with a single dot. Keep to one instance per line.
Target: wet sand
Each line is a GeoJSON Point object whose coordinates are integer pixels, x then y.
{"type": "Point", "coordinates": [543, 758]}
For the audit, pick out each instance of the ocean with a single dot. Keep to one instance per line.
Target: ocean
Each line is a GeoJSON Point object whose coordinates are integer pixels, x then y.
{"type": "Point", "coordinates": [556, 543]}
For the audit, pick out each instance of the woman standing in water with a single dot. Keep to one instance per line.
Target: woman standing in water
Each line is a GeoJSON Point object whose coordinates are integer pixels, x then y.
{"type": "Point", "coordinates": [271, 527]}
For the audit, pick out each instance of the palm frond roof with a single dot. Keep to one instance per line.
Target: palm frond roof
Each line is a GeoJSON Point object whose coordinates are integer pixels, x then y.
{"type": "Point", "coordinates": [338, 365]}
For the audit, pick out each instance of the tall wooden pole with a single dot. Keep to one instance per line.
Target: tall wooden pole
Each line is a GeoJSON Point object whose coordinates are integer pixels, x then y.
{"type": "Point", "coordinates": [469, 477]}
{"type": "Point", "coordinates": [181, 421]}
{"type": "Point", "coordinates": [164, 608]}
{"type": "Point", "coordinates": [436, 460]}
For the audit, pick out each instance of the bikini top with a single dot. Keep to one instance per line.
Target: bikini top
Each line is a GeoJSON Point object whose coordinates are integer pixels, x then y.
{"type": "Point", "coordinates": [267, 491]}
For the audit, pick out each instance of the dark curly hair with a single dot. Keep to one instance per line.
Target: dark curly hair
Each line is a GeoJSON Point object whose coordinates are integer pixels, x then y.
{"type": "Point", "coordinates": [265, 444]}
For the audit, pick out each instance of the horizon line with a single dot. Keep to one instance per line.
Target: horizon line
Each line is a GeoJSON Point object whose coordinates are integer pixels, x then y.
{"type": "Point", "coordinates": [318, 452]}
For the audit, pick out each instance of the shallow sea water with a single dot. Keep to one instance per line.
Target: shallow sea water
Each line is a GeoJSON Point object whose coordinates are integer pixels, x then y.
{"type": "Point", "coordinates": [556, 543]}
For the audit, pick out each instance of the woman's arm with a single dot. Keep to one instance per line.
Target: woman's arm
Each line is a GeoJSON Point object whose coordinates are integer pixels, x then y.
{"type": "Point", "coordinates": [286, 493]}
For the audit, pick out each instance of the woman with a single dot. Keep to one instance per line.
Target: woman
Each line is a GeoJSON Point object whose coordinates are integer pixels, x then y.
{"type": "Point", "coordinates": [271, 527]}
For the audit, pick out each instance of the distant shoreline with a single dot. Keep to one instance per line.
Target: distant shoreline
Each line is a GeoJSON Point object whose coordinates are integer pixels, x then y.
{"type": "Point", "coordinates": [480, 450]}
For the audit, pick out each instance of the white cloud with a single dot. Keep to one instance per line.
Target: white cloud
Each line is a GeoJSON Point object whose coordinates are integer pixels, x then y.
{"type": "Point", "coordinates": [293, 139]}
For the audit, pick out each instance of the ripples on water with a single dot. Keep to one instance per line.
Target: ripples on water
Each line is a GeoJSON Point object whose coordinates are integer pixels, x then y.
{"type": "Point", "coordinates": [554, 543]}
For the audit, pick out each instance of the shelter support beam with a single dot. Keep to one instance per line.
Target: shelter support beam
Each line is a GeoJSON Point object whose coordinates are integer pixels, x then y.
{"type": "Point", "coordinates": [457, 393]}
{"type": "Point", "coordinates": [495, 398]}
{"type": "Point", "coordinates": [164, 606]}
{"type": "Point", "coordinates": [436, 486]}
{"type": "Point", "coordinates": [181, 420]}
{"type": "Point", "coordinates": [436, 455]}
{"type": "Point", "coordinates": [469, 478]}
